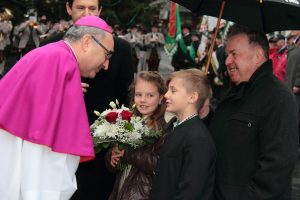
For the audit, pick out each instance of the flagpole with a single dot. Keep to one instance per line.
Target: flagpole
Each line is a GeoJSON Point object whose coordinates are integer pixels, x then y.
{"type": "Point", "coordinates": [211, 49]}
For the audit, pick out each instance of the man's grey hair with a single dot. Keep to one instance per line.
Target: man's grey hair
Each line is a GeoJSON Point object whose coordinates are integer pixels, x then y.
{"type": "Point", "coordinates": [75, 33]}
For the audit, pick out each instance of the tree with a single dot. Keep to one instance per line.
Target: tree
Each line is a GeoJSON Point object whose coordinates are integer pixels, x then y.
{"type": "Point", "coordinates": [128, 12]}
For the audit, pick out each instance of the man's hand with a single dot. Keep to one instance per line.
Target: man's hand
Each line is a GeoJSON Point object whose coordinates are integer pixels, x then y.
{"type": "Point", "coordinates": [84, 87]}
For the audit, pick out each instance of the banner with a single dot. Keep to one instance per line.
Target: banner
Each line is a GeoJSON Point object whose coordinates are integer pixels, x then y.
{"type": "Point", "coordinates": [174, 32]}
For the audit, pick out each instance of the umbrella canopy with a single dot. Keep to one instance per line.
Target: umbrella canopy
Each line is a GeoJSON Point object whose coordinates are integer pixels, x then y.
{"type": "Point", "coordinates": [263, 15]}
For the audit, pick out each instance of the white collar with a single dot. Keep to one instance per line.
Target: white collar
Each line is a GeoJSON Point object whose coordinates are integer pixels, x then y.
{"type": "Point", "coordinates": [69, 45]}
{"type": "Point", "coordinates": [177, 123]}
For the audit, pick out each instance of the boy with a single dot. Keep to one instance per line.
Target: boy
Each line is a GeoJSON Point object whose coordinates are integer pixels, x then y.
{"type": "Point", "coordinates": [186, 166]}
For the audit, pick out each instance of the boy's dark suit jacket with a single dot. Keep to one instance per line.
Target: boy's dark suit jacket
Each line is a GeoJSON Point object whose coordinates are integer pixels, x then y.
{"type": "Point", "coordinates": [186, 166]}
{"type": "Point", "coordinates": [93, 179]}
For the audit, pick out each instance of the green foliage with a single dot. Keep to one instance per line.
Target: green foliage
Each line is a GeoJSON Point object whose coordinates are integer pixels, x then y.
{"type": "Point", "coordinates": [128, 126]}
{"type": "Point", "coordinates": [122, 12]}
{"type": "Point", "coordinates": [99, 144]}
{"type": "Point", "coordinates": [128, 12]}
{"type": "Point", "coordinates": [151, 139]}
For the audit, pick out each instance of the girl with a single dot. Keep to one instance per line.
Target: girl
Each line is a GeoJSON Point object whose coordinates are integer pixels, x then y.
{"type": "Point", "coordinates": [135, 181]}
{"type": "Point", "coordinates": [186, 167]}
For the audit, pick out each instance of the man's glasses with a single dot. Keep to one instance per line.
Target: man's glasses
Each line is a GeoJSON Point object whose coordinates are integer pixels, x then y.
{"type": "Point", "coordinates": [108, 53]}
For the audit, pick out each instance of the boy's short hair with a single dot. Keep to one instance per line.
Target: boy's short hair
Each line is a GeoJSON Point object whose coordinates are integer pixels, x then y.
{"type": "Point", "coordinates": [195, 80]}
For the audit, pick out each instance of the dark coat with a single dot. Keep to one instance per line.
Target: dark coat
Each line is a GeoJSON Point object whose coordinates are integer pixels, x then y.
{"type": "Point", "coordinates": [93, 179]}
{"type": "Point", "coordinates": [183, 60]}
{"type": "Point", "coordinates": [293, 67]}
{"type": "Point", "coordinates": [256, 134]}
{"type": "Point", "coordinates": [138, 183]}
{"type": "Point", "coordinates": [186, 166]}
{"type": "Point", "coordinates": [293, 70]}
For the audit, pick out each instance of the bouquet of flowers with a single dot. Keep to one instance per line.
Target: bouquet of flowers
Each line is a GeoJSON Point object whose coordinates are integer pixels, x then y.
{"type": "Point", "coordinates": [119, 126]}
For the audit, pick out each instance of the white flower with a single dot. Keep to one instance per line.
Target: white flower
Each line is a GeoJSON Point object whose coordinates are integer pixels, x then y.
{"type": "Point", "coordinates": [101, 130]}
{"type": "Point", "coordinates": [97, 113]}
{"type": "Point", "coordinates": [105, 112]}
{"type": "Point", "coordinates": [119, 131]}
{"type": "Point", "coordinates": [138, 126]}
{"type": "Point", "coordinates": [123, 108]}
{"type": "Point", "coordinates": [135, 136]}
{"type": "Point", "coordinates": [113, 105]}
{"type": "Point", "coordinates": [112, 132]}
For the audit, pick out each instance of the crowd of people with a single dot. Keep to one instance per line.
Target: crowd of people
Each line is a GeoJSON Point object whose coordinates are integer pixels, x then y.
{"type": "Point", "coordinates": [18, 39]}
{"type": "Point", "coordinates": [228, 138]}
{"type": "Point", "coordinates": [146, 43]}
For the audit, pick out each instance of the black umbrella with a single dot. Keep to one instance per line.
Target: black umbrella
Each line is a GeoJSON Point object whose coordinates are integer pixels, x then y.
{"type": "Point", "coordinates": [263, 15]}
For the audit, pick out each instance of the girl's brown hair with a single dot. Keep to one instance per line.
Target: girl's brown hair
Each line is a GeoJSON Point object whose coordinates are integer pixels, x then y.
{"type": "Point", "coordinates": [156, 121]}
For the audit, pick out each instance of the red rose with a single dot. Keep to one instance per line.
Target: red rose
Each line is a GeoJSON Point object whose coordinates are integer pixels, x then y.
{"type": "Point", "coordinates": [126, 115]}
{"type": "Point", "coordinates": [111, 117]}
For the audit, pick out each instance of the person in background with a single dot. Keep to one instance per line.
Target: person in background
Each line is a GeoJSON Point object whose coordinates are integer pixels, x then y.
{"type": "Point", "coordinates": [292, 76]}
{"type": "Point", "coordinates": [217, 73]}
{"type": "Point", "coordinates": [5, 30]}
{"type": "Point", "coordinates": [58, 28]}
{"type": "Point", "coordinates": [279, 58]}
{"type": "Point", "coordinates": [193, 48]}
{"type": "Point", "coordinates": [291, 38]}
{"type": "Point", "coordinates": [12, 54]}
{"type": "Point", "coordinates": [93, 179]}
{"type": "Point", "coordinates": [186, 165]}
{"type": "Point", "coordinates": [119, 31]}
{"type": "Point", "coordinates": [206, 112]}
{"type": "Point", "coordinates": [154, 42]}
{"type": "Point", "coordinates": [147, 94]}
{"type": "Point", "coordinates": [44, 129]}
{"type": "Point", "coordinates": [293, 68]}
{"type": "Point", "coordinates": [133, 37]}
{"type": "Point", "coordinates": [182, 58]}
{"type": "Point", "coordinates": [256, 135]}
{"type": "Point", "coordinates": [143, 65]}
{"type": "Point", "coordinates": [29, 33]}
{"type": "Point", "coordinates": [44, 26]}
{"type": "Point", "coordinates": [272, 46]}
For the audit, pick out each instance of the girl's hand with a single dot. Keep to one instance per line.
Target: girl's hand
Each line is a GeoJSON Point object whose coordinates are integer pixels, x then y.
{"type": "Point", "coordinates": [116, 154]}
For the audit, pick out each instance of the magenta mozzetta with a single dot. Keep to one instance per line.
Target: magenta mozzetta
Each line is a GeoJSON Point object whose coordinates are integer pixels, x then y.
{"type": "Point", "coordinates": [49, 115]}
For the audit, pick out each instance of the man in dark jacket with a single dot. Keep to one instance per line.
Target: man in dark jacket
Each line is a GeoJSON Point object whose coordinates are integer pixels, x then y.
{"type": "Point", "coordinates": [93, 179]}
{"type": "Point", "coordinates": [182, 58]}
{"type": "Point", "coordinates": [292, 76]}
{"type": "Point", "coordinates": [293, 69]}
{"type": "Point", "coordinates": [255, 127]}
